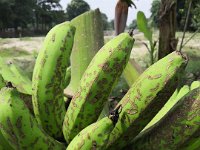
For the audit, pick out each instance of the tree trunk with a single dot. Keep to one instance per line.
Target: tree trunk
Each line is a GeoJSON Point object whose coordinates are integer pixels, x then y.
{"type": "Point", "coordinates": [167, 27]}
{"type": "Point", "coordinates": [88, 40]}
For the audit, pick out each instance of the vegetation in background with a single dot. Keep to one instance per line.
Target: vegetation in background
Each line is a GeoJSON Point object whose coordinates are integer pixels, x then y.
{"type": "Point", "coordinates": [154, 13]}
{"type": "Point", "coordinates": [107, 25]}
{"type": "Point", "coordinates": [181, 11]}
{"type": "Point", "coordinates": [142, 24]}
{"type": "Point", "coordinates": [75, 8]}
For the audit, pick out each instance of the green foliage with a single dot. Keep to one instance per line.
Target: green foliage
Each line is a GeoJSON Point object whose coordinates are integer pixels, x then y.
{"type": "Point", "coordinates": [104, 21]}
{"type": "Point", "coordinates": [76, 7]}
{"type": "Point", "coordinates": [142, 24]}
{"type": "Point", "coordinates": [38, 14]}
{"type": "Point", "coordinates": [107, 25]}
{"type": "Point", "coordinates": [196, 17]}
{"type": "Point", "coordinates": [182, 7]}
{"type": "Point", "coordinates": [133, 24]}
{"type": "Point", "coordinates": [154, 12]}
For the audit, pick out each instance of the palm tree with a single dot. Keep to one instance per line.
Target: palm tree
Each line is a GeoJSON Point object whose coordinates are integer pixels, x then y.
{"type": "Point", "coordinates": [121, 14]}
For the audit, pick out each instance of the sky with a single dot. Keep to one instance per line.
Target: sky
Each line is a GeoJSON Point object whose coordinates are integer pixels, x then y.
{"type": "Point", "coordinates": [108, 7]}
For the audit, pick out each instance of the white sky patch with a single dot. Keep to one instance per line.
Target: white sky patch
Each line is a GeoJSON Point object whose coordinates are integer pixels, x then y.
{"type": "Point", "coordinates": [108, 7]}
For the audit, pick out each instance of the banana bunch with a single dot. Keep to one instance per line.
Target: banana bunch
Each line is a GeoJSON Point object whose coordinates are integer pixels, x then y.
{"type": "Point", "coordinates": [18, 127]}
{"type": "Point", "coordinates": [49, 78]}
{"type": "Point", "coordinates": [153, 108]}
{"type": "Point", "coordinates": [11, 73]}
{"type": "Point", "coordinates": [179, 129]}
{"type": "Point", "coordinates": [96, 84]}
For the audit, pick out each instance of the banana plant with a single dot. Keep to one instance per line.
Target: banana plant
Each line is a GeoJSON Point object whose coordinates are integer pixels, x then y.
{"type": "Point", "coordinates": [143, 27]}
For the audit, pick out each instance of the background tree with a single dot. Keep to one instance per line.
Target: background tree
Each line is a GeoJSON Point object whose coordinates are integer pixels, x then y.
{"type": "Point", "coordinates": [6, 14]}
{"type": "Point", "coordinates": [181, 11]}
{"type": "Point", "coordinates": [22, 13]}
{"type": "Point", "coordinates": [133, 24]}
{"type": "Point", "coordinates": [154, 12]}
{"type": "Point", "coordinates": [196, 17]}
{"type": "Point", "coordinates": [46, 11]}
{"type": "Point", "coordinates": [107, 25]}
{"type": "Point", "coordinates": [105, 21]}
{"type": "Point", "coordinates": [111, 24]}
{"type": "Point", "coordinates": [75, 8]}
{"type": "Point", "coordinates": [167, 28]}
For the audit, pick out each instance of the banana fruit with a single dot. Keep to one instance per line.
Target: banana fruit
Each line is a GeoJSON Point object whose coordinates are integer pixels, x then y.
{"type": "Point", "coordinates": [96, 85]}
{"type": "Point", "coordinates": [177, 95]}
{"type": "Point", "coordinates": [96, 135]}
{"type": "Point", "coordinates": [49, 78]}
{"type": "Point", "coordinates": [67, 77]}
{"type": "Point", "coordinates": [177, 127]}
{"type": "Point", "coordinates": [19, 128]}
{"type": "Point", "coordinates": [11, 73]}
{"type": "Point", "coordinates": [145, 98]}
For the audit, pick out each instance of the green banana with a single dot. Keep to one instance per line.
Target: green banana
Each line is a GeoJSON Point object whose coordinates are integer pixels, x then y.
{"type": "Point", "coordinates": [96, 135]}
{"type": "Point", "coordinates": [193, 143]}
{"type": "Point", "coordinates": [49, 78]}
{"type": "Point", "coordinates": [67, 77]}
{"type": "Point", "coordinates": [180, 123]}
{"type": "Point", "coordinates": [18, 126]}
{"type": "Point", "coordinates": [177, 95]}
{"type": "Point", "coordinates": [96, 85]}
{"type": "Point", "coordinates": [11, 73]}
{"type": "Point", "coordinates": [146, 97]}
{"type": "Point", "coordinates": [21, 76]}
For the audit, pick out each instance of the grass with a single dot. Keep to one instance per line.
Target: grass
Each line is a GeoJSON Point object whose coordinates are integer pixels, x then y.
{"type": "Point", "coordinates": [13, 52]}
{"type": "Point", "coordinates": [25, 39]}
